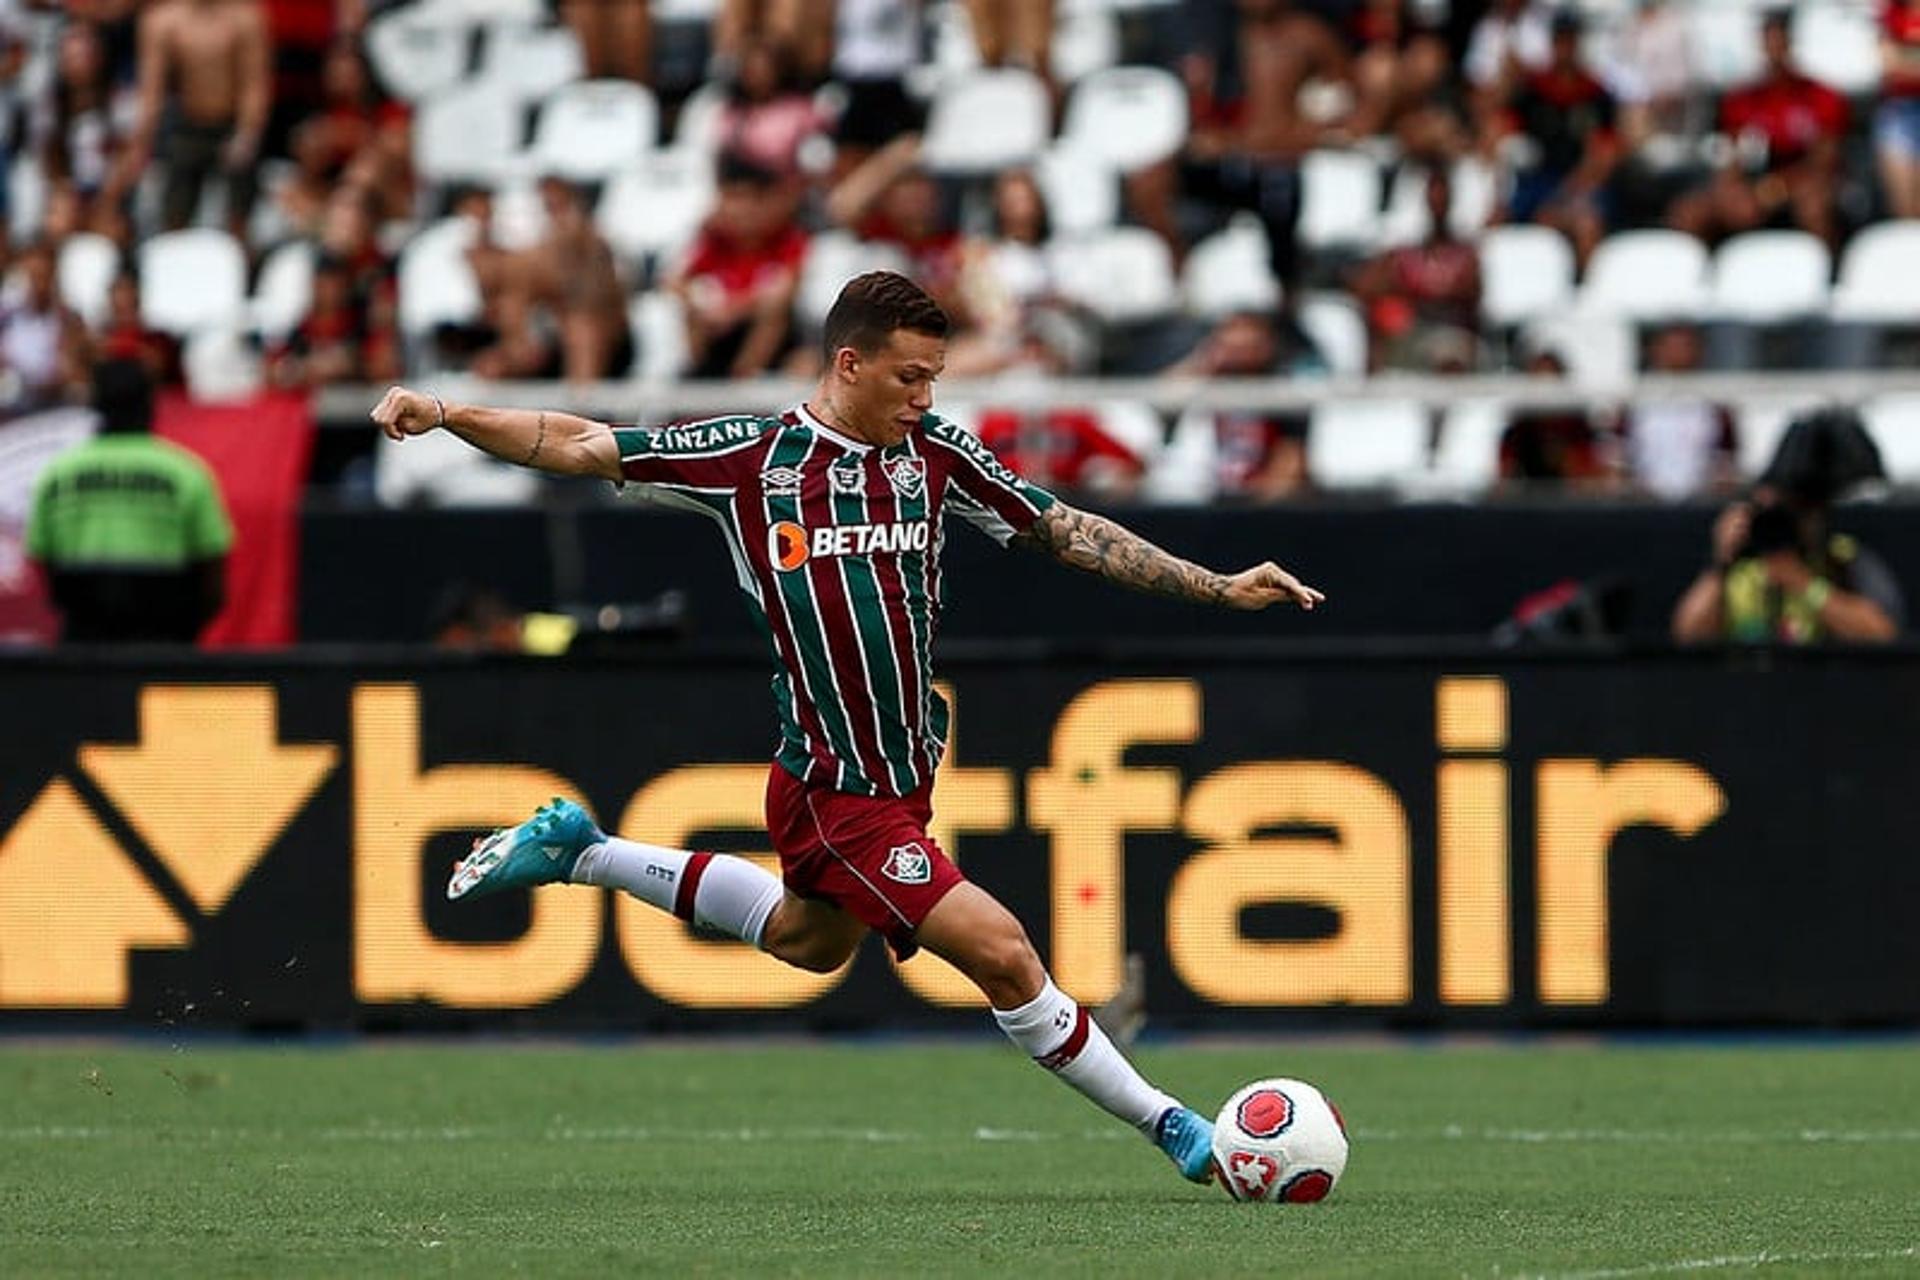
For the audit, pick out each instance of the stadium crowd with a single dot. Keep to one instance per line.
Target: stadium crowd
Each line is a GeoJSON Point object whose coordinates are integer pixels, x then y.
{"type": "Point", "coordinates": [351, 191]}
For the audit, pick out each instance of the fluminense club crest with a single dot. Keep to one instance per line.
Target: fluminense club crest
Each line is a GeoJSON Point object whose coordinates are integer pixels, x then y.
{"type": "Point", "coordinates": [908, 476]}
{"type": "Point", "coordinates": [908, 864]}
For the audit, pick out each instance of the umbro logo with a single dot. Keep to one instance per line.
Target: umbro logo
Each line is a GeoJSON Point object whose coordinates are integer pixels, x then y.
{"type": "Point", "coordinates": [781, 482]}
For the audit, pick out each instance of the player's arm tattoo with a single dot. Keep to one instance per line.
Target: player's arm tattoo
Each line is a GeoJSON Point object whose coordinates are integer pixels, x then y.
{"type": "Point", "coordinates": [1099, 545]}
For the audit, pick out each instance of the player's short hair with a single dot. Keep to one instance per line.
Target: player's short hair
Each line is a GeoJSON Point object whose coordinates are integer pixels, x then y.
{"type": "Point", "coordinates": [872, 306]}
{"type": "Point", "coordinates": [123, 396]}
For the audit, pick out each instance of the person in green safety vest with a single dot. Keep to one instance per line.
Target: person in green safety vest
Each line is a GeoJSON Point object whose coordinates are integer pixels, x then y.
{"type": "Point", "coordinates": [130, 531]}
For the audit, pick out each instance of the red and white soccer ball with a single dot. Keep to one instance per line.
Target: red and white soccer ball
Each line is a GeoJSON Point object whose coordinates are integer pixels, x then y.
{"type": "Point", "coordinates": [1279, 1141]}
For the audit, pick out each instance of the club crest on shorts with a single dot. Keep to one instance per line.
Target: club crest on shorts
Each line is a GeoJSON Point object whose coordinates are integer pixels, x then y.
{"type": "Point", "coordinates": [781, 482]}
{"type": "Point", "coordinates": [907, 864]}
{"type": "Point", "coordinates": [847, 475]}
{"type": "Point", "coordinates": [908, 476]}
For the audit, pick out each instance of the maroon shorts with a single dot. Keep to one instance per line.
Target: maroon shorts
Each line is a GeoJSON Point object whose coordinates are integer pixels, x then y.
{"type": "Point", "coordinates": [870, 856]}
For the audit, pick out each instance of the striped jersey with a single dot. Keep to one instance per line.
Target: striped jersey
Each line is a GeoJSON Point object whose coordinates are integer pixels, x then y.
{"type": "Point", "coordinates": [836, 545]}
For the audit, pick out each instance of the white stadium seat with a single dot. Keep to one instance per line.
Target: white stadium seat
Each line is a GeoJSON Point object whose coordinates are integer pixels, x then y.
{"type": "Point", "coordinates": [659, 336]}
{"type": "Point", "coordinates": [1525, 273]}
{"type": "Point", "coordinates": [987, 120]}
{"type": "Point", "coordinates": [1340, 200]}
{"type": "Point", "coordinates": [1598, 350]}
{"type": "Point", "coordinates": [1466, 460]}
{"type": "Point", "coordinates": [595, 128]}
{"type": "Point", "coordinates": [1647, 276]}
{"type": "Point", "coordinates": [1877, 274]}
{"type": "Point", "coordinates": [1337, 329]}
{"type": "Point", "coordinates": [1127, 117]}
{"type": "Point", "coordinates": [416, 57]}
{"type": "Point", "coordinates": [85, 272]}
{"type": "Point", "coordinates": [833, 258]}
{"type": "Point", "coordinates": [531, 62]}
{"type": "Point", "coordinates": [1894, 422]}
{"type": "Point", "coordinates": [467, 134]}
{"type": "Point", "coordinates": [437, 285]}
{"type": "Point", "coordinates": [1367, 443]}
{"type": "Point", "coordinates": [1765, 276]}
{"type": "Point", "coordinates": [1121, 275]}
{"type": "Point", "coordinates": [284, 293]}
{"type": "Point", "coordinates": [1082, 195]}
{"type": "Point", "coordinates": [655, 208]}
{"type": "Point", "coordinates": [190, 280]}
{"type": "Point", "coordinates": [1231, 270]}
{"type": "Point", "coordinates": [1723, 41]}
{"type": "Point", "coordinates": [1838, 45]}
{"type": "Point", "coordinates": [439, 470]}
{"type": "Point", "coordinates": [1187, 468]}
{"type": "Point", "coordinates": [697, 128]}
{"type": "Point", "coordinates": [1135, 425]}
{"type": "Point", "coordinates": [1086, 39]}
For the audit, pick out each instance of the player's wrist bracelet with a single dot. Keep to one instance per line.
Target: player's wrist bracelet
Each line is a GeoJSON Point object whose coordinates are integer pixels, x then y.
{"type": "Point", "coordinates": [441, 405]}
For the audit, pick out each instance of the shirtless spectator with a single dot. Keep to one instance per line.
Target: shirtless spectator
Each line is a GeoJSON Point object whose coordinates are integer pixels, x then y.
{"type": "Point", "coordinates": [616, 37]}
{"type": "Point", "coordinates": [1788, 129]}
{"type": "Point", "coordinates": [1013, 33]}
{"type": "Point", "coordinates": [738, 283]}
{"type": "Point", "coordinates": [574, 277]}
{"type": "Point", "coordinates": [1248, 131]}
{"type": "Point", "coordinates": [206, 87]}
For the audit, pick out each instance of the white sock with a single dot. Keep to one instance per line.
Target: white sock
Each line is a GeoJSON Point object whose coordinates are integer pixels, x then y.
{"type": "Point", "coordinates": [1060, 1036]}
{"type": "Point", "coordinates": [716, 890]}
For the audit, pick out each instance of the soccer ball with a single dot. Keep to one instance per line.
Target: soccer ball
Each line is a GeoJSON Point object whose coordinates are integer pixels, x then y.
{"type": "Point", "coordinates": [1279, 1141]}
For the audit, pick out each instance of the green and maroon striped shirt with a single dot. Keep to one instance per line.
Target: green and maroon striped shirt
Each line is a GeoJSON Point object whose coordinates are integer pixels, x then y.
{"type": "Point", "coordinates": [836, 544]}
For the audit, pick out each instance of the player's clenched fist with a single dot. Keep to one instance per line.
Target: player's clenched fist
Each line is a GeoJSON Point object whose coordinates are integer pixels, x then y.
{"type": "Point", "coordinates": [403, 413]}
{"type": "Point", "coordinates": [1266, 584]}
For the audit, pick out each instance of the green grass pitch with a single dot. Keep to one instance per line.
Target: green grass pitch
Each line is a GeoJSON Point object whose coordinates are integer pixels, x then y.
{"type": "Point", "coordinates": [891, 1158]}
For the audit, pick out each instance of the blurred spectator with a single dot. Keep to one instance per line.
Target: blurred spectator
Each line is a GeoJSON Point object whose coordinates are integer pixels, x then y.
{"type": "Point", "coordinates": [801, 30]}
{"type": "Point", "coordinates": [347, 235]}
{"type": "Point", "coordinates": [1779, 573]}
{"type": "Point", "coordinates": [1064, 447]}
{"type": "Point", "coordinates": [125, 336]}
{"type": "Point", "coordinates": [78, 127]}
{"type": "Point", "coordinates": [300, 34]}
{"type": "Point", "coordinates": [1787, 128]}
{"type": "Point", "coordinates": [892, 200]}
{"type": "Point", "coordinates": [13, 59]}
{"type": "Point", "coordinates": [1553, 446]}
{"type": "Point", "coordinates": [575, 279]}
{"type": "Point", "coordinates": [738, 282]}
{"type": "Point", "coordinates": [1262, 456]}
{"type": "Point", "coordinates": [215, 56]}
{"type": "Point", "coordinates": [1511, 41]}
{"type": "Point", "coordinates": [1008, 291]}
{"type": "Point", "coordinates": [616, 37]}
{"type": "Point", "coordinates": [1683, 448]}
{"type": "Point", "coordinates": [1896, 127]}
{"type": "Point", "coordinates": [1423, 300]}
{"type": "Point", "coordinates": [1567, 116]}
{"type": "Point", "coordinates": [363, 138]}
{"type": "Point", "coordinates": [1248, 130]}
{"type": "Point", "coordinates": [1013, 33]}
{"type": "Point", "coordinates": [338, 340]}
{"type": "Point", "coordinates": [1651, 72]}
{"type": "Point", "coordinates": [42, 342]}
{"type": "Point", "coordinates": [874, 44]}
{"type": "Point", "coordinates": [767, 117]}
{"type": "Point", "coordinates": [1399, 65]}
{"type": "Point", "coordinates": [130, 531]}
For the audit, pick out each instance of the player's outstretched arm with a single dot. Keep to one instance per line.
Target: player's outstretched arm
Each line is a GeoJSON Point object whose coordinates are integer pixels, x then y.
{"type": "Point", "coordinates": [559, 443]}
{"type": "Point", "coordinates": [1099, 545]}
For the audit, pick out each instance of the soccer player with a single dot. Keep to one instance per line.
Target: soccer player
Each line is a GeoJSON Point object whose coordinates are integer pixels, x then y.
{"type": "Point", "coordinates": [833, 514]}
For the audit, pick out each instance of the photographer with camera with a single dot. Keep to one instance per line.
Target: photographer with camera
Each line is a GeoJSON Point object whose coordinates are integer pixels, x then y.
{"type": "Point", "coordinates": [1779, 574]}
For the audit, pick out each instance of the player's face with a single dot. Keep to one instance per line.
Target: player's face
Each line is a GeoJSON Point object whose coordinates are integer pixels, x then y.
{"type": "Point", "coordinates": [894, 386]}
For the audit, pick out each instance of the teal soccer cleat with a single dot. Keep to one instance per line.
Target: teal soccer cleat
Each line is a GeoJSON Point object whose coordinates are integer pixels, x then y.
{"type": "Point", "coordinates": [541, 850]}
{"type": "Point", "coordinates": [1187, 1137]}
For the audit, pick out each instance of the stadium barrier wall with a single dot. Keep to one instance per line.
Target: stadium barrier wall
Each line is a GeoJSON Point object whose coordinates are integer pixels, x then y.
{"type": "Point", "coordinates": [1288, 838]}
{"type": "Point", "coordinates": [1388, 570]}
